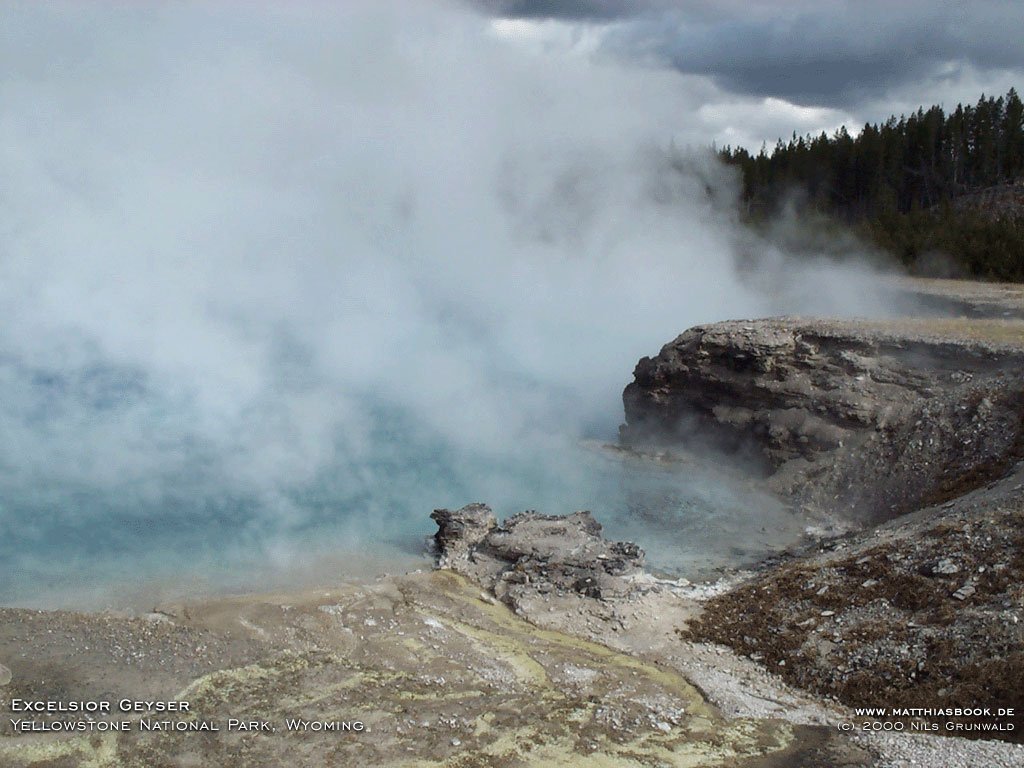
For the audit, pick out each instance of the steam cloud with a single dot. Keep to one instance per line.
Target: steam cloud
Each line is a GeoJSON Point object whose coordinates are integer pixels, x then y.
{"type": "Point", "coordinates": [263, 268]}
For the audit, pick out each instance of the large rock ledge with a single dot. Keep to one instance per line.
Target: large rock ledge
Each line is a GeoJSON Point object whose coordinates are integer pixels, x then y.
{"type": "Point", "coordinates": [866, 419]}
{"type": "Point", "coordinates": [915, 424]}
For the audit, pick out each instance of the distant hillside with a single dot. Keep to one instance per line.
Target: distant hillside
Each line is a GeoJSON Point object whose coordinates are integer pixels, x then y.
{"type": "Point", "coordinates": [917, 186]}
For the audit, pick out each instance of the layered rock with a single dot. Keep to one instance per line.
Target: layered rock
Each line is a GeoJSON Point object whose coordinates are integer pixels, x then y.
{"type": "Point", "coordinates": [531, 554]}
{"type": "Point", "coordinates": [460, 532]}
{"type": "Point", "coordinates": [854, 417]}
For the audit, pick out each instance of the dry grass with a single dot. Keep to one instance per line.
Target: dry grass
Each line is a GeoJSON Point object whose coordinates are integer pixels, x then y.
{"type": "Point", "coordinates": [997, 331]}
{"type": "Point", "coordinates": [965, 289]}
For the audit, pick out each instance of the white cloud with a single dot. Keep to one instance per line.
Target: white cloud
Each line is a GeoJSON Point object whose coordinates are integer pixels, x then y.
{"type": "Point", "coordinates": [551, 35]}
{"type": "Point", "coordinates": [749, 122]}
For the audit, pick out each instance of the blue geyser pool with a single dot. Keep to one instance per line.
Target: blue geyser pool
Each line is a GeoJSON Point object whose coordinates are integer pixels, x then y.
{"type": "Point", "coordinates": [183, 534]}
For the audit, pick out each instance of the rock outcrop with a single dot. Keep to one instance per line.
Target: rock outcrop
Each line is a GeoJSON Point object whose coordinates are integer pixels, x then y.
{"type": "Point", "coordinates": [857, 418]}
{"type": "Point", "coordinates": [871, 420]}
{"type": "Point", "coordinates": [531, 554]}
{"type": "Point", "coordinates": [460, 532]}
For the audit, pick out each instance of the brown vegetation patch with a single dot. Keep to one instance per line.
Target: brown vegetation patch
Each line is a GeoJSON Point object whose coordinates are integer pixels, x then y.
{"type": "Point", "coordinates": [882, 625]}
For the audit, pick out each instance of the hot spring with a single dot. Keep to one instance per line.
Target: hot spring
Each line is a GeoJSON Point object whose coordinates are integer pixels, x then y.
{"type": "Point", "coordinates": [277, 281]}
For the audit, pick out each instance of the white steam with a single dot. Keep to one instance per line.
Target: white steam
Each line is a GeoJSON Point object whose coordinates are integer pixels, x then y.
{"type": "Point", "coordinates": [253, 260]}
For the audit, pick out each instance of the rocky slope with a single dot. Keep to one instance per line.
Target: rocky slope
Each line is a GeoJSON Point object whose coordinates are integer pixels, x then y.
{"type": "Point", "coordinates": [926, 611]}
{"type": "Point", "coordinates": [864, 419]}
{"type": "Point", "coordinates": [436, 671]}
{"type": "Point", "coordinates": [916, 424]}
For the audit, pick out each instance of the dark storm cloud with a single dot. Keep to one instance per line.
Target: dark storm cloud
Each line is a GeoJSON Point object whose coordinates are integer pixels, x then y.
{"type": "Point", "coordinates": [567, 9]}
{"type": "Point", "coordinates": [834, 53]}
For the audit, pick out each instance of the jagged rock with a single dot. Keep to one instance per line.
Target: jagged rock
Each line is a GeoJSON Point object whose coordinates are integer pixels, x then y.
{"type": "Point", "coordinates": [459, 531]}
{"type": "Point", "coordinates": [5, 675]}
{"type": "Point", "coordinates": [862, 418]}
{"type": "Point", "coordinates": [531, 554]}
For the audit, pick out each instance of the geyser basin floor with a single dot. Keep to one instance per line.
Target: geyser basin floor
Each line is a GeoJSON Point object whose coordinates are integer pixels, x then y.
{"type": "Point", "coordinates": [430, 668]}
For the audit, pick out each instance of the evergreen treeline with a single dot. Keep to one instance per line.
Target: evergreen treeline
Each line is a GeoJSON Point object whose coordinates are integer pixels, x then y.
{"type": "Point", "coordinates": [926, 184]}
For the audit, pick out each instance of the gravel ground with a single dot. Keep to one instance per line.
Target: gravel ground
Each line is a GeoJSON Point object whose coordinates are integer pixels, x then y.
{"type": "Point", "coordinates": [914, 750]}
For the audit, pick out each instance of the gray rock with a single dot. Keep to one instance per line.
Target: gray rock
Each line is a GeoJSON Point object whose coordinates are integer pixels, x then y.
{"type": "Point", "coordinates": [966, 591]}
{"type": "Point", "coordinates": [5, 675]}
{"type": "Point", "coordinates": [860, 418]}
{"type": "Point", "coordinates": [459, 531]}
{"type": "Point", "coordinates": [533, 554]}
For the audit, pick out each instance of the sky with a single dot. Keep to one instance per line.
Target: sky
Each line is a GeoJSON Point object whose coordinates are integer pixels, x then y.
{"type": "Point", "coordinates": [769, 68]}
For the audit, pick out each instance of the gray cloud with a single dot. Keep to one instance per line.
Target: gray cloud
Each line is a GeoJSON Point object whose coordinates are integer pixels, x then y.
{"type": "Point", "coordinates": [832, 53]}
{"type": "Point", "coordinates": [567, 9]}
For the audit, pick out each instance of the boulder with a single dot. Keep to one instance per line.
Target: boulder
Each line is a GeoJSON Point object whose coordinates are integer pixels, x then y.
{"type": "Point", "coordinates": [535, 554]}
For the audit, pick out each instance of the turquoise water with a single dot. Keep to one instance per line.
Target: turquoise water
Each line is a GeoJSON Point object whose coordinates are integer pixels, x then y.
{"type": "Point", "coordinates": [186, 535]}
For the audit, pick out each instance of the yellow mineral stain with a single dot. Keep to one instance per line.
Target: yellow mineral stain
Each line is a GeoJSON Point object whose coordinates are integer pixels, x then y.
{"type": "Point", "coordinates": [93, 751]}
{"type": "Point", "coordinates": [461, 589]}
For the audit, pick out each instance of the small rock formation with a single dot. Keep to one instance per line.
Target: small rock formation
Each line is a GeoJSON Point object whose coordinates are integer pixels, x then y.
{"type": "Point", "coordinates": [5, 675]}
{"type": "Point", "coordinates": [867, 419]}
{"type": "Point", "coordinates": [531, 554]}
{"type": "Point", "coordinates": [459, 533]}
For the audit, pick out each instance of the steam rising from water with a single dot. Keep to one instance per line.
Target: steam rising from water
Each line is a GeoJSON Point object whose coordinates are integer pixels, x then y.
{"type": "Point", "coordinates": [272, 277]}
